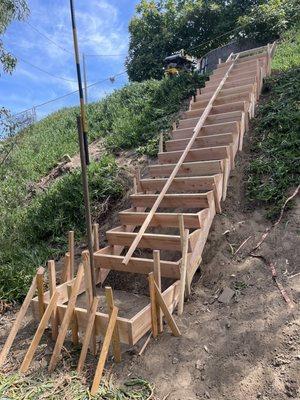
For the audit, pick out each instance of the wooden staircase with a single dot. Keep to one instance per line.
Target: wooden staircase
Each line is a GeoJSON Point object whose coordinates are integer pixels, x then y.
{"type": "Point", "coordinates": [224, 108]}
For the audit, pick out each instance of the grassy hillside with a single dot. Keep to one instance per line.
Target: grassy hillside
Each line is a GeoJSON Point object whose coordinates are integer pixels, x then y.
{"type": "Point", "coordinates": [32, 231]}
{"type": "Point", "coordinates": [275, 168]}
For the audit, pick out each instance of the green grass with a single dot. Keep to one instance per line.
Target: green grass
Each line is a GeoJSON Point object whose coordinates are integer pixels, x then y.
{"type": "Point", "coordinates": [68, 386]}
{"type": "Point", "coordinates": [32, 231]}
{"type": "Point", "coordinates": [275, 169]}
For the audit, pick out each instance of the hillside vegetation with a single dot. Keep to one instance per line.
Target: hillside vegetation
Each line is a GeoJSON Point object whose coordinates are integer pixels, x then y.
{"type": "Point", "coordinates": [34, 229]}
{"type": "Point", "coordinates": [275, 168]}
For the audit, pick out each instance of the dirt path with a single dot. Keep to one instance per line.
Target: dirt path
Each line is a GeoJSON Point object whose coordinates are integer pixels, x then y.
{"type": "Point", "coordinates": [247, 349]}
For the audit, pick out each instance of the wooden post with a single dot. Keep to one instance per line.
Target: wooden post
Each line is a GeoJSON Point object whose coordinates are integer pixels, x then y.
{"type": "Point", "coordinates": [66, 273]}
{"type": "Point", "coordinates": [71, 252]}
{"type": "Point", "coordinates": [177, 167]}
{"type": "Point", "coordinates": [96, 236]}
{"type": "Point", "coordinates": [40, 290]}
{"type": "Point", "coordinates": [88, 333]}
{"type": "Point", "coordinates": [157, 278]}
{"type": "Point", "coordinates": [161, 143]}
{"type": "Point", "coordinates": [184, 287]}
{"type": "Point", "coordinates": [66, 320]}
{"type": "Point", "coordinates": [169, 318]}
{"type": "Point", "coordinates": [181, 228]}
{"type": "Point", "coordinates": [17, 323]}
{"type": "Point", "coordinates": [88, 293]}
{"type": "Point", "coordinates": [153, 305]}
{"type": "Point", "coordinates": [39, 333]}
{"type": "Point", "coordinates": [73, 322]}
{"type": "Point", "coordinates": [220, 61]}
{"type": "Point", "coordinates": [116, 337]}
{"type": "Point", "coordinates": [52, 290]}
{"type": "Point", "coordinates": [104, 351]}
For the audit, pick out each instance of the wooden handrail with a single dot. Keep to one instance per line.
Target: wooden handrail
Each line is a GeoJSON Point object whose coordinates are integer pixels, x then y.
{"type": "Point", "coordinates": [177, 167]}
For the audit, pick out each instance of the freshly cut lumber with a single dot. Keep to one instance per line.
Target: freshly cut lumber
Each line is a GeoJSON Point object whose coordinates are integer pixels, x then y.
{"type": "Point", "coordinates": [73, 323]}
{"type": "Point", "coordinates": [230, 98]}
{"type": "Point", "coordinates": [203, 154]}
{"type": "Point", "coordinates": [206, 93]}
{"type": "Point", "coordinates": [204, 141]}
{"type": "Point", "coordinates": [88, 333]}
{"type": "Point", "coordinates": [235, 106]}
{"type": "Point", "coordinates": [150, 241]}
{"type": "Point", "coordinates": [136, 218]}
{"type": "Point", "coordinates": [66, 320]}
{"type": "Point", "coordinates": [104, 351]}
{"type": "Point", "coordinates": [176, 169]}
{"type": "Point", "coordinates": [116, 337]}
{"type": "Point", "coordinates": [183, 271]}
{"type": "Point", "coordinates": [169, 269]}
{"type": "Point", "coordinates": [196, 168]}
{"type": "Point", "coordinates": [17, 323]}
{"type": "Point", "coordinates": [213, 129]}
{"type": "Point", "coordinates": [39, 333]}
{"type": "Point", "coordinates": [173, 200]}
{"type": "Point", "coordinates": [71, 252]}
{"type": "Point", "coordinates": [154, 323]}
{"type": "Point", "coordinates": [168, 316]}
{"type": "Point", "coordinates": [157, 278]}
{"type": "Point", "coordinates": [186, 184]}
{"type": "Point", "coordinates": [52, 290]}
{"type": "Point", "coordinates": [40, 290]}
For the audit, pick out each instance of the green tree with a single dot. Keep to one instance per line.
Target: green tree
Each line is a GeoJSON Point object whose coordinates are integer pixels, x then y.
{"type": "Point", "coordinates": [10, 10]}
{"type": "Point", "coordinates": [164, 26]}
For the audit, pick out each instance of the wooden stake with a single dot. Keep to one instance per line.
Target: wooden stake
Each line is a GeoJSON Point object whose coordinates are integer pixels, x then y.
{"type": "Point", "coordinates": [161, 143]}
{"type": "Point", "coordinates": [184, 287]}
{"type": "Point", "coordinates": [157, 277]}
{"type": "Point", "coordinates": [116, 337]}
{"type": "Point", "coordinates": [66, 320]}
{"type": "Point", "coordinates": [169, 318]}
{"type": "Point", "coordinates": [66, 273]}
{"type": "Point", "coordinates": [181, 228]}
{"type": "Point", "coordinates": [153, 305]}
{"type": "Point", "coordinates": [73, 323]}
{"type": "Point", "coordinates": [39, 333]}
{"type": "Point", "coordinates": [71, 252]}
{"type": "Point", "coordinates": [17, 323]}
{"type": "Point", "coordinates": [40, 290]}
{"type": "Point", "coordinates": [104, 351]}
{"type": "Point", "coordinates": [177, 167]}
{"type": "Point", "coordinates": [88, 333]}
{"type": "Point", "coordinates": [96, 236]}
{"type": "Point", "coordinates": [52, 290]}
{"type": "Point", "coordinates": [88, 292]}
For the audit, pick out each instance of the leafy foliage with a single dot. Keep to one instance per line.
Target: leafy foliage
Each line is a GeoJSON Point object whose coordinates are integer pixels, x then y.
{"type": "Point", "coordinates": [162, 27]}
{"type": "Point", "coordinates": [275, 168]}
{"type": "Point", "coordinates": [10, 10]}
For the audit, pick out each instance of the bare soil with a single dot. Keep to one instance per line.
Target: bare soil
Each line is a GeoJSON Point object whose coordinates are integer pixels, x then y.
{"type": "Point", "coordinates": [247, 349]}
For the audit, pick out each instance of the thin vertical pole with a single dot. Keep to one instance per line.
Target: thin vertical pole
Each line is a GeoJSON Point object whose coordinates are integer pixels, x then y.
{"type": "Point", "coordinates": [83, 145]}
{"type": "Point", "coordinates": [85, 79]}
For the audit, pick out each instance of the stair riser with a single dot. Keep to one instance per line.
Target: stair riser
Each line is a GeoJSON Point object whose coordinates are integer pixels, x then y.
{"type": "Point", "coordinates": [182, 185]}
{"type": "Point", "coordinates": [206, 141]}
{"type": "Point", "coordinates": [182, 202]}
{"type": "Point", "coordinates": [215, 129]}
{"type": "Point", "coordinates": [245, 96]}
{"type": "Point", "coordinates": [172, 244]}
{"type": "Point", "coordinates": [237, 106]}
{"type": "Point", "coordinates": [211, 119]}
{"type": "Point", "coordinates": [195, 155]}
{"type": "Point", "coordinates": [188, 169]}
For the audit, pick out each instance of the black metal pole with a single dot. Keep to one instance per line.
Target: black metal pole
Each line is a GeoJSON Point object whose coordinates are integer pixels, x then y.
{"type": "Point", "coordinates": [83, 145]}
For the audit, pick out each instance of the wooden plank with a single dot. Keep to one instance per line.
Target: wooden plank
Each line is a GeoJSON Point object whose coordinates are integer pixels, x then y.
{"type": "Point", "coordinates": [66, 272]}
{"type": "Point", "coordinates": [169, 269]}
{"type": "Point", "coordinates": [183, 279]}
{"type": "Point", "coordinates": [157, 278]}
{"type": "Point", "coordinates": [204, 141]}
{"type": "Point", "coordinates": [66, 320]}
{"type": "Point", "coordinates": [17, 323]}
{"type": "Point", "coordinates": [196, 168]}
{"type": "Point", "coordinates": [71, 252]}
{"type": "Point", "coordinates": [175, 171]}
{"type": "Point", "coordinates": [213, 129]}
{"type": "Point", "coordinates": [186, 184]}
{"type": "Point", "coordinates": [161, 143]}
{"type": "Point", "coordinates": [88, 333]}
{"type": "Point", "coordinates": [173, 200]}
{"type": "Point", "coordinates": [39, 333]}
{"type": "Point", "coordinates": [73, 322]}
{"type": "Point", "coordinates": [96, 236]}
{"type": "Point", "coordinates": [223, 108]}
{"type": "Point", "coordinates": [151, 241]}
{"type": "Point", "coordinates": [203, 154]}
{"type": "Point", "coordinates": [153, 305]}
{"type": "Point", "coordinates": [168, 316]}
{"type": "Point", "coordinates": [104, 351]}
{"type": "Point", "coordinates": [116, 337]}
{"type": "Point", "coordinates": [52, 290]}
{"type": "Point", "coordinates": [40, 290]}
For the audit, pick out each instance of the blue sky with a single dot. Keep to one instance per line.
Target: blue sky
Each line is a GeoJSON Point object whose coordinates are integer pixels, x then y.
{"type": "Point", "coordinates": [102, 29]}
